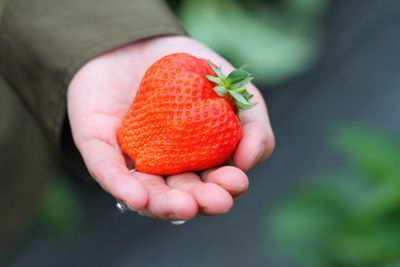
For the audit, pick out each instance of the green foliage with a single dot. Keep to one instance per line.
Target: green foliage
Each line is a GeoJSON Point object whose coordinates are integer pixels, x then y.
{"type": "Point", "coordinates": [60, 212]}
{"type": "Point", "coordinates": [351, 220]}
{"type": "Point", "coordinates": [382, 160]}
{"type": "Point", "coordinates": [278, 41]}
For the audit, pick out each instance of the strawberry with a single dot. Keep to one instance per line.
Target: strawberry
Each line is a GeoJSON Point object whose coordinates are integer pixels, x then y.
{"type": "Point", "coordinates": [184, 116]}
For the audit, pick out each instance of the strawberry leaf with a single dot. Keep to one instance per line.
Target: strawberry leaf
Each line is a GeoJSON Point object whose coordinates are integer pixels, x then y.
{"type": "Point", "coordinates": [247, 95]}
{"type": "Point", "coordinates": [220, 90]}
{"type": "Point", "coordinates": [241, 101]}
{"type": "Point", "coordinates": [234, 84]}
{"type": "Point", "coordinates": [237, 76]}
{"type": "Point", "coordinates": [242, 83]}
{"type": "Point", "coordinates": [217, 71]}
{"type": "Point", "coordinates": [214, 79]}
{"type": "Point", "coordinates": [238, 97]}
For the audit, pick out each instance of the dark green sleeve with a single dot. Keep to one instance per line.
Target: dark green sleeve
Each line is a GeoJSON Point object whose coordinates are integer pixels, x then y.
{"type": "Point", "coordinates": [43, 43]}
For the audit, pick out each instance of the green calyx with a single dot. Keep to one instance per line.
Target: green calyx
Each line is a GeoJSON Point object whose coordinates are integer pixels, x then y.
{"type": "Point", "coordinates": [233, 85]}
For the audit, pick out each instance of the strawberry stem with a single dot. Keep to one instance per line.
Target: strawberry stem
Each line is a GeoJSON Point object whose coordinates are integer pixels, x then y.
{"type": "Point", "coordinates": [233, 85]}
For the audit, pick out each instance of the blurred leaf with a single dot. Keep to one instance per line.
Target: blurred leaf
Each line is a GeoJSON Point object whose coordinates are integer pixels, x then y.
{"type": "Point", "coordinates": [276, 44]}
{"type": "Point", "coordinates": [379, 202]}
{"type": "Point", "coordinates": [373, 247]}
{"type": "Point", "coordinates": [60, 211]}
{"type": "Point", "coordinates": [305, 9]}
{"type": "Point", "coordinates": [302, 224]}
{"type": "Point", "coordinates": [374, 153]}
{"type": "Point", "coordinates": [397, 264]}
{"type": "Point", "coordinates": [351, 220]}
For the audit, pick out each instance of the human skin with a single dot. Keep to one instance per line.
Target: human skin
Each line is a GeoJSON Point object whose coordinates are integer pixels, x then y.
{"type": "Point", "coordinates": [100, 94]}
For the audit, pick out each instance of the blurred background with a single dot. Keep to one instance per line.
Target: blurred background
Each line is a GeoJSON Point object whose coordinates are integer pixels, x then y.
{"type": "Point", "coordinates": [330, 194]}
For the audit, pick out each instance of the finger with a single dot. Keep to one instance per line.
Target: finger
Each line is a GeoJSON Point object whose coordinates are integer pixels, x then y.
{"type": "Point", "coordinates": [164, 202]}
{"type": "Point", "coordinates": [107, 166]}
{"type": "Point", "coordinates": [230, 178]}
{"type": "Point", "coordinates": [257, 142]}
{"type": "Point", "coordinates": [211, 198]}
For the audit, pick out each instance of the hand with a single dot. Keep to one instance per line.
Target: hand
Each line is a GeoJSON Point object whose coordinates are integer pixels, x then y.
{"type": "Point", "coordinates": [100, 94]}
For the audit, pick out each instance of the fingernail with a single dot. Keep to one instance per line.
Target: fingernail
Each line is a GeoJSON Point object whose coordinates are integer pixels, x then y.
{"type": "Point", "coordinates": [259, 155]}
{"type": "Point", "coordinates": [129, 207]}
{"type": "Point", "coordinates": [238, 187]}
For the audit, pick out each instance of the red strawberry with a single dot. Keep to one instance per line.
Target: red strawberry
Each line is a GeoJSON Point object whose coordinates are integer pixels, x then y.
{"type": "Point", "coordinates": [184, 116]}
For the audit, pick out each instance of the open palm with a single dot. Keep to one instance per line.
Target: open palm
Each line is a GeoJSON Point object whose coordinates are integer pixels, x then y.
{"type": "Point", "coordinates": [100, 94]}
